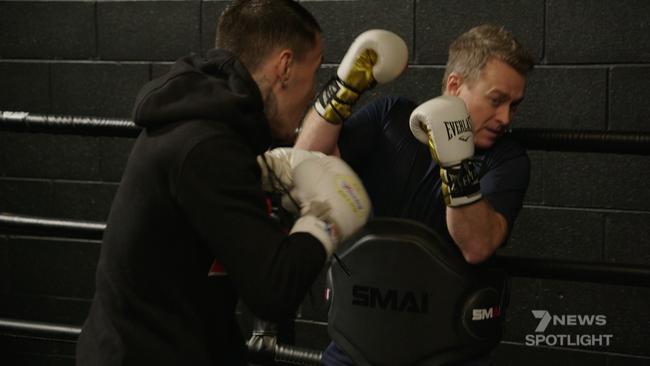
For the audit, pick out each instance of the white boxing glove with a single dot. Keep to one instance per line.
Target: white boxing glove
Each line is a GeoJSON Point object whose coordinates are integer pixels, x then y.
{"type": "Point", "coordinates": [444, 124]}
{"type": "Point", "coordinates": [277, 167]}
{"type": "Point", "coordinates": [333, 202]}
{"type": "Point", "coordinates": [375, 56]}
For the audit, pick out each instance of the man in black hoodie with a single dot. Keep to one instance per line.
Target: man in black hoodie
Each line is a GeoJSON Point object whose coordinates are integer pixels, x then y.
{"type": "Point", "coordinates": [189, 232]}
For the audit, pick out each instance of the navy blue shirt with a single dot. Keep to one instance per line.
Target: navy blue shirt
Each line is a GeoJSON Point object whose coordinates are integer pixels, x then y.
{"type": "Point", "coordinates": [401, 178]}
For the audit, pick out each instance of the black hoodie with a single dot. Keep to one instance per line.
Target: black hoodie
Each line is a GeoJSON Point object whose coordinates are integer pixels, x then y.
{"type": "Point", "coordinates": [190, 195]}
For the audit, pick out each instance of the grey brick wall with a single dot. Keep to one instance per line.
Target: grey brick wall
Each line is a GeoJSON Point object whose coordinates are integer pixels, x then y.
{"type": "Point", "coordinates": [91, 57]}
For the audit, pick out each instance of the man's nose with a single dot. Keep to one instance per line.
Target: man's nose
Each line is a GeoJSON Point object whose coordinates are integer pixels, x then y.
{"type": "Point", "coordinates": [504, 115]}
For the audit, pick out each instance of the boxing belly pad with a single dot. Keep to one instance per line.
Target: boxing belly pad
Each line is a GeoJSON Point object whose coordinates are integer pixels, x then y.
{"type": "Point", "coordinates": [403, 296]}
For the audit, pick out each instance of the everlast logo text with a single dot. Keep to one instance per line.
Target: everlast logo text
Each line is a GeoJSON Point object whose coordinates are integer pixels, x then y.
{"type": "Point", "coordinates": [390, 299]}
{"type": "Point", "coordinates": [456, 127]}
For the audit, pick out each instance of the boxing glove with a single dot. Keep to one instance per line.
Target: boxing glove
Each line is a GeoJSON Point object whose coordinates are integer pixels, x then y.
{"type": "Point", "coordinates": [375, 56]}
{"type": "Point", "coordinates": [277, 167]}
{"type": "Point", "coordinates": [332, 200]}
{"type": "Point", "coordinates": [444, 124]}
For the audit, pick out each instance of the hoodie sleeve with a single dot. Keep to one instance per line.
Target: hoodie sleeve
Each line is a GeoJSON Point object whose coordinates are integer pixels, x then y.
{"type": "Point", "coordinates": [220, 194]}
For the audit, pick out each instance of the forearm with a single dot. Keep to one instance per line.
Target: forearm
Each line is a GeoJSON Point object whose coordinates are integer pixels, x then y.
{"type": "Point", "coordinates": [477, 229]}
{"type": "Point", "coordinates": [318, 135]}
{"type": "Point", "coordinates": [359, 71]}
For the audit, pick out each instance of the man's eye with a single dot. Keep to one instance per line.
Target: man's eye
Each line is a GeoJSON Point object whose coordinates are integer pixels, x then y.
{"type": "Point", "coordinates": [495, 101]}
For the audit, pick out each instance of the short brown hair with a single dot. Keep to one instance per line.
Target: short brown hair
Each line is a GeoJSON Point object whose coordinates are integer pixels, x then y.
{"type": "Point", "coordinates": [469, 53]}
{"type": "Point", "coordinates": [251, 29]}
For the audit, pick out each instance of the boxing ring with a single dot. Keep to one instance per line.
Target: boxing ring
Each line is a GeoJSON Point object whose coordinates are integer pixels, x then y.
{"type": "Point", "coordinates": [532, 139]}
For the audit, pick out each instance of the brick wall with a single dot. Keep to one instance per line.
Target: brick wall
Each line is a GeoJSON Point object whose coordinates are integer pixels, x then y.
{"type": "Point", "coordinates": [91, 57]}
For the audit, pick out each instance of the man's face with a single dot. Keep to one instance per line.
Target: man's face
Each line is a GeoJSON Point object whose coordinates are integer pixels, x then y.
{"type": "Point", "coordinates": [492, 101]}
{"type": "Point", "coordinates": [298, 91]}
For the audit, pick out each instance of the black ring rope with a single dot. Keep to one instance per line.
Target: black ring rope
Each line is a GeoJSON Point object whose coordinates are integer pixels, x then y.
{"type": "Point", "coordinates": [620, 142]}
{"type": "Point", "coordinates": [622, 274]}
{"type": "Point", "coordinates": [74, 125]}
{"type": "Point", "coordinates": [616, 142]}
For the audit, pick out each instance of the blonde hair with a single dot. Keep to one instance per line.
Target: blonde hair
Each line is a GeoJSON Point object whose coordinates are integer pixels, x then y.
{"type": "Point", "coordinates": [469, 53]}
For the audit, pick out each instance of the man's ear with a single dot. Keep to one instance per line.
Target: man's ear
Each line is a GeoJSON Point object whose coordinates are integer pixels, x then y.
{"type": "Point", "coordinates": [454, 82]}
{"type": "Point", "coordinates": [284, 66]}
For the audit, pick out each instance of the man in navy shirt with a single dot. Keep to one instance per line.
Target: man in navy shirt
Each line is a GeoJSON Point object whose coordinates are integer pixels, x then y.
{"type": "Point", "coordinates": [487, 69]}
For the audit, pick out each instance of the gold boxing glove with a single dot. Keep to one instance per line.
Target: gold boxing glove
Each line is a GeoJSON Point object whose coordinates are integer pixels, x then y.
{"type": "Point", "coordinates": [375, 56]}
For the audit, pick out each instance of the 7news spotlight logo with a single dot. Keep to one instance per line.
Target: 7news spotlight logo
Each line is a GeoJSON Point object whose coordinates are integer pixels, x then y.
{"type": "Point", "coordinates": [572, 321]}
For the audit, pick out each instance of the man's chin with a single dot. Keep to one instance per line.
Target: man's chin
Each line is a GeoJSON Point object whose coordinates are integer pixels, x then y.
{"type": "Point", "coordinates": [484, 143]}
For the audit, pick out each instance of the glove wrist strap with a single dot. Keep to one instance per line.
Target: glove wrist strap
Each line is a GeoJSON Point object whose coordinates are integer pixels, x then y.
{"type": "Point", "coordinates": [335, 101]}
{"type": "Point", "coordinates": [461, 183]}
